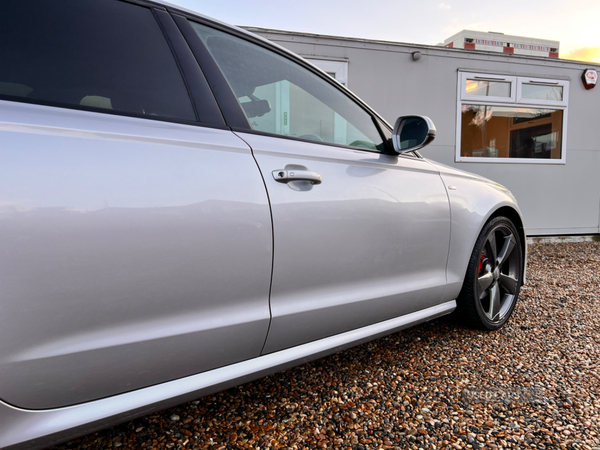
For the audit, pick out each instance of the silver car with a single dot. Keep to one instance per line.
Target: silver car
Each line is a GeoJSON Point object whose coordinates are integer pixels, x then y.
{"type": "Point", "coordinates": [185, 206]}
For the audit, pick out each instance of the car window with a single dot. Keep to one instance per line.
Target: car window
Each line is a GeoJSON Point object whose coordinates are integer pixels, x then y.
{"type": "Point", "coordinates": [281, 97]}
{"type": "Point", "coordinates": [110, 56]}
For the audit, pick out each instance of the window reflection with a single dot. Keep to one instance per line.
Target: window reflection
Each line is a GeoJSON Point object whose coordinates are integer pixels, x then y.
{"type": "Point", "coordinates": [542, 92]}
{"type": "Point", "coordinates": [511, 132]}
{"type": "Point", "coordinates": [488, 88]}
{"type": "Point", "coordinates": [280, 97]}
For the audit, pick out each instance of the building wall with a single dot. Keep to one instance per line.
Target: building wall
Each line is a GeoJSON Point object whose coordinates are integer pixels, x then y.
{"type": "Point", "coordinates": [554, 198]}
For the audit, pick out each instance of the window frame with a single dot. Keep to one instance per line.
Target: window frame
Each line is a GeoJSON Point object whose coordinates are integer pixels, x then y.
{"type": "Point", "coordinates": [339, 68]}
{"type": "Point", "coordinates": [515, 100]}
{"type": "Point", "coordinates": [485, 77]}
{"type": "Point", "coordinates": [203, 100]}
{"type": "Point", "coordinates": [543, 82]}
{"type": "Point", "coordinates": [231, 108]}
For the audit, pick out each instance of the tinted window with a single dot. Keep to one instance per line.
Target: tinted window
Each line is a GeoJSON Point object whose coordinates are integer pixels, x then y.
{"type": "Point", "coordinates": [109, 55]}
{"type": "Point", "coordinates": [281, 97]}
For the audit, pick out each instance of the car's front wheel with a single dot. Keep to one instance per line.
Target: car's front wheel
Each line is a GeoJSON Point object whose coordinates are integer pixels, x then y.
{"type": "Point", "coordinates": [494, 277]}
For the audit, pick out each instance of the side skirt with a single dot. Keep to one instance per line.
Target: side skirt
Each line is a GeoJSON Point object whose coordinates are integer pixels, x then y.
{"type": "Point", "coordinates": [31, 429]}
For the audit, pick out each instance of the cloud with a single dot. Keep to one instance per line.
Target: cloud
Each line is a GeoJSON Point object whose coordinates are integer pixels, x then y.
{"type": "Point", "coordinates": [586, 54]}
{"type": "Point", "coordinates": [444, 6]}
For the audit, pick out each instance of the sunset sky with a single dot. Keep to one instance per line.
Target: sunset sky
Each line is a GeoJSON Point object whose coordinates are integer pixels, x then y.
{"type": "Point", "coordinates": [574, 23]}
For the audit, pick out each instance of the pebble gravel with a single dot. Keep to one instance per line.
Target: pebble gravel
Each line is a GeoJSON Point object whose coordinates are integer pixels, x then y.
{"type": "Point", "coordinates": [533, 384]}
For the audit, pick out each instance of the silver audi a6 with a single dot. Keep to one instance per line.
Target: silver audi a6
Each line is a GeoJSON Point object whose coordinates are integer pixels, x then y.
{"type": "Point", "coordinates": [185, 206]}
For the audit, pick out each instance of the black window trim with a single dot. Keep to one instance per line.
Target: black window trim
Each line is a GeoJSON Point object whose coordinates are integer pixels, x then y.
{"type": "Point", "coordinates": [228, 103]}
{"type": "Point", "coordinates": [203, 100]}
{"type": "Point", "coordinates": [310, 141]}
{"type": "Point", "coordinates": [230, 106]}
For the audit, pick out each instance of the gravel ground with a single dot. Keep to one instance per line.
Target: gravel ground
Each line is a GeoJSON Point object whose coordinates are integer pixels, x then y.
{"type": "Point", "coordinates": [533, 384]}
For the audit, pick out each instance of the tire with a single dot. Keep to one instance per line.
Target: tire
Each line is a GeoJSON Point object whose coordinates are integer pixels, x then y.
{"type": "Point", "coordinates": [494, 277]}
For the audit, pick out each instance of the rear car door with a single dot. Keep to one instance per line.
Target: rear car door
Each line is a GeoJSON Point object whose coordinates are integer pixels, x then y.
{"type": "Point", "coordinates": [360, 235]}
{"type": "Point", "coordinates": [135, 231]}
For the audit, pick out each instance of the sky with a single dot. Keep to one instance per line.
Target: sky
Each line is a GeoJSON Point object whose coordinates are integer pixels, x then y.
{"type": "Point", "coordinates": [574, 23]}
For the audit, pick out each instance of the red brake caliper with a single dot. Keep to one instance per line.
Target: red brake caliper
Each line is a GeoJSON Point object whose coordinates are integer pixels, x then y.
{"type": "Point", "coordinates": [481, 259]}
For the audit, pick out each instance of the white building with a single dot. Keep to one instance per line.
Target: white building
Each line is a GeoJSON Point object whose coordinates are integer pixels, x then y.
{"type": "Point", "coordinates": [525, 121]}
{"type": "Point", "coordinates": [503, 43]}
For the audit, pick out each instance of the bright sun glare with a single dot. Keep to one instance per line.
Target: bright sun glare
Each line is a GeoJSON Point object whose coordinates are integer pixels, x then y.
{"type": "Point", "coordinates": [586, 54]}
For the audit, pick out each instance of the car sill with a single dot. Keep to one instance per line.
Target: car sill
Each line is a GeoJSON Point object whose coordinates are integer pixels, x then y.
{"type": "Point", "coordinates": [22, 428]}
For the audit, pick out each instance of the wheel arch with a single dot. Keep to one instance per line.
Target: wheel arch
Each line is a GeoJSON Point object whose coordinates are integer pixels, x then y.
{"type": "Point", "coordinates": [515, 218]}
{"type": "Point", "coordinates": [470, 215]}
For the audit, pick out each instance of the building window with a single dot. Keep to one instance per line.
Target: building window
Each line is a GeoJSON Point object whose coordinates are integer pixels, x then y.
{"type": "Point", "coordinates": [335, 69]}
{"type": "Point", "coordinates": [511, 119]}
{"type": "Point", "coordinates": [469, 40]}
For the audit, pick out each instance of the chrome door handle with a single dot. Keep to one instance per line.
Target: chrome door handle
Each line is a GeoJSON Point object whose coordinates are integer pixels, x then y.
{"type": "Point", "coordinates": [285, 176]}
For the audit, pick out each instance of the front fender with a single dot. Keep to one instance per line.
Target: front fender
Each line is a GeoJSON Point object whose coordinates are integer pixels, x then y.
{"type": "Point", "coordinates": [473, 201]}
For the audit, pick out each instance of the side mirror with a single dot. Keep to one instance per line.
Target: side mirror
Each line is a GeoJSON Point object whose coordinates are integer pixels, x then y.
{"type": "Point", "coordinates": [412, 133]}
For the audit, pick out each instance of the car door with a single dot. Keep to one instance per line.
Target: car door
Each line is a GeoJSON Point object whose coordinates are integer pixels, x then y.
{"type": "Point", "coordinates": [135, 231]}
{"type": "Point", "coordinates": [360, 235]}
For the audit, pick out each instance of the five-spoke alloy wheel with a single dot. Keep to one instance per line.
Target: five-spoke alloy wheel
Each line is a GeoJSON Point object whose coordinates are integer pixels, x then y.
{"type": "Point", "coordinates": [494, 276]}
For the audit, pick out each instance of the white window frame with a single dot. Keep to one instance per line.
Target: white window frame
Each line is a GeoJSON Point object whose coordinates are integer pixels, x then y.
{"type": "Point", "coordinates": [543, 82]}
{"type": "Point", "coordinates": [515, 100]}
{"type": "Point", "coordinates": [485, 77]}
{"type": "Point", "coordinates": [338, 68]}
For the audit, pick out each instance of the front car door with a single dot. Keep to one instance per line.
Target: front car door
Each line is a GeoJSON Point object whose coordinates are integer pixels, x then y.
{"type": "Point", "coordinates": [360, 235]}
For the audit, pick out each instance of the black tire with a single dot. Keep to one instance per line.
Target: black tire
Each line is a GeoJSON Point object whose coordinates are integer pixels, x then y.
{"type": "Point", "coordinates": [494, 277]}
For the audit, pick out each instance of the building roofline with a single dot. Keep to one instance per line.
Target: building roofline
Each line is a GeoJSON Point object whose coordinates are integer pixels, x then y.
{"type": "Point", "coordinates": [505, 37]}
{"type": "Point", "coordinates": [412, 47]}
